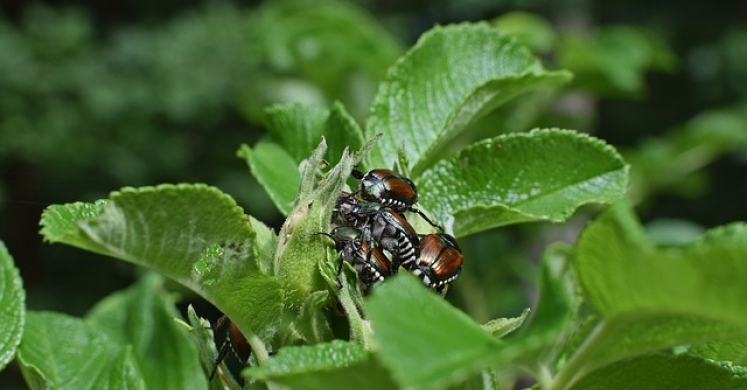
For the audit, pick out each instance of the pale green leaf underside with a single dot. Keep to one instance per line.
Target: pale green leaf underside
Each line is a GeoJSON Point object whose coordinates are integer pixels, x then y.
{"type": "Point", "coordinates": [620, 273]}
{"type": "Point", "coordinates": [194, 234]}
{"type": "Point", "coordinates": [657, 298]}
{"type": "Point", "coordinates": [449, 79]}
{"type": "Point", "coordinates": [636, 333]}
{"type": "Point", "coordinates": [500, 327]}
{"type": "Point", "coordinates": [326, 366]}
{"type": "Point", "coordinates": [64, 352]}
{"type": "Point", "coordinates": [12, 308]}
{"type": "Point", "coordinates": [521, 177]}
{"type": "Point", "coordinates": [660, 371]}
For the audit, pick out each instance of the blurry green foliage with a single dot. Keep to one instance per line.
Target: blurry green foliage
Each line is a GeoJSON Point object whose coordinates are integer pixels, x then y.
{"type": "Point", "coordinates": [612, 60]}
{"type": "Point", "coordinates": [532, 30]}
{"type": "Point", "coordinates": [674, 162]}
{"type": "Point", "coordinates": [86, 107]}
{"type": "Point", "coordinates": [316, 52]}
{"type": "Point", "coordinates": [139, 102]}
{"type": "Point", "coordinates": [609, 60]}
{"type": "Point", "coordinates": [718, 68]}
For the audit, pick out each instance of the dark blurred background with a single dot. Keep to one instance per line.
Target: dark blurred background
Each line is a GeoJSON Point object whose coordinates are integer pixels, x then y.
{"type": "Point", "coordinates": [95, 96]}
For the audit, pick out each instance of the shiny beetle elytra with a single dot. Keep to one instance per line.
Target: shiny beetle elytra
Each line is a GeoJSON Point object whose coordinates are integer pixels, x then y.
{"type": "Point", "coordinates": [382, 224]}
{"type": "Point", "coordinates": [389, 189]}
{"type": "Point", "coordinates": [440, 260]}
{"type": "Point", "coordinates": [386, 187]}
{"type": "Point", "coordinates": [369, 262]}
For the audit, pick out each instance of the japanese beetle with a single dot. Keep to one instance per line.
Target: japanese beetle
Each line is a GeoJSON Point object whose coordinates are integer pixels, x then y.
{"type": "Point", "coordinates": [440, 260]}
{"type": "Point", "coordinates": [396, 235]}
{"type": "Point", "coordinates": [369, 262]}
{"type": "Point", "coordinates": [389, 189]}
{"type": "Point", "coordinates": [382, 224]}
{"type": "Point", "coordinates": [351, 211]}
{"type": "Point", "coordinates": [235, 341]}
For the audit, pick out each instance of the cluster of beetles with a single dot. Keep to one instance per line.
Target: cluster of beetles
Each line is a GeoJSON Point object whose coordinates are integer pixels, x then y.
{"type": "Point", "coordinates": [370, 222]}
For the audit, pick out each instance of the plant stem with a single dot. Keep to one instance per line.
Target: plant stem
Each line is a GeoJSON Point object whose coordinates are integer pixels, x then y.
{"type": "Point", "coordinates": [578, 365]}
{"type": "Point", "coordinates": [360, 329]}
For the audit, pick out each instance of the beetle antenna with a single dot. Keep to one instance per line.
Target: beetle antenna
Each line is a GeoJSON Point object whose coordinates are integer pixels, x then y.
{"type": "Point", "coordinates": [425, 217]}
{"type": "Point", "coordinates": [324, 234]}
{"type": "Point", "coordinates": [220, 358]}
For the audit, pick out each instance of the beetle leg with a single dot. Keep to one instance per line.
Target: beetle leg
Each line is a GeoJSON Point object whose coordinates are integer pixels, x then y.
{"type": "Point", "coordinates": [222, 353]}
{"type": "Point", "coordinates": [338, 274]}
{"type": "Point", "coordinates": [223, 348]}
{"type": "Point", "coordinates": [425, 217]}
{"type": "Point", "coordinates": [395, 265]}
{"type": "Point", "coordinates": [356, 174]}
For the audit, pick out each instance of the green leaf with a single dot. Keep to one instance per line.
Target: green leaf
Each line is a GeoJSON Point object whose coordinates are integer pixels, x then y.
{"type": "Point", "coordinates": [266, 241]}
{"type": "Point", "coordinates": [60, 223]}
{"type": "Point", "coordinates": [63, 352]}
{"type": "Point", "coordinates": [659, 371]}
{"type": "Point", "coordinates": [651, 298]}
{"type": "Point", "coordinates": [485, 380]}
{"type": "Point", "coordinates": [342, 132]}
{"type": "Point", "coordinates": [299, 128]}
{"type": "Point", "coordinates": [422, 340]}
{"type": "Point", "coordinates": [500, 327]}
{"type": "Point", "coordinates": [349, 297]}
{"type": "Point", "coordinates": [143, 317]}
{"type": "Point", "coordinates": [312, 322]}
{"type": "Point", "coordinates": [620, 271]}
{"type": "Point", "coordinates": [194, 234]}
{"type": "Point", "coordinates": [530, 29]}
{"type": "Point", "coordinates": [522, 177]}
{"type": "Point", "coordinates": [275, 171]}
{"type": "Point", "coordinates": [202, 332]}
{"type": "Point", "coordinates": [673, 232]}
{"type": "Point", "coordinates": [12, 304]}
{"type": "Point", "coordinates": [734, 351]}
{"type": "Point", "coordinates": [452, 77]}
{"type": "Point", "coordinates": [328, 366]}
